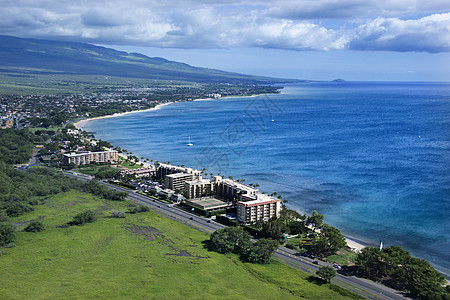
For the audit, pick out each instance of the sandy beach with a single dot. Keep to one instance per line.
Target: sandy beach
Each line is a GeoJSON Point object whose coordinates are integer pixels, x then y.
{"type": "Point", "coordinates": [80, 124]}
{"type": "Point", "coordinates": [355, 246]}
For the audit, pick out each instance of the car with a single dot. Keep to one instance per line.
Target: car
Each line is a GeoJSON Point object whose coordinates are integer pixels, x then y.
{"type": "Point", "coordinates": [154, 200]}
{"type": "Point", "coordinates": [191, 218]}
{"type": "Point", "coordinates": [316, 262]}
{"type": "Point", "coordinates": [208, 221]}
{"type": "Point", "coordinates": [159, 206]}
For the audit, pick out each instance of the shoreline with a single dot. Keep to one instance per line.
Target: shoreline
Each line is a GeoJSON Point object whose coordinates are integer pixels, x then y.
{"type": "Point", "coordinates": [354, 244]}
{"type": "Point", "coordinates": [79, 124]}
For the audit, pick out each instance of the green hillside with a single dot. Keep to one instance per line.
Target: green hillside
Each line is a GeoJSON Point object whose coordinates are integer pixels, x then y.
{"type": "Point", "coordinates": [33, 56]}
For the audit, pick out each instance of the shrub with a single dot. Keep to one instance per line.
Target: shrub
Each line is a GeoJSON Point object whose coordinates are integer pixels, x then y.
{"type": "Point", "coordinates": [87, 216]}
{"type": "Point", "coordinates": [34, 226]}
{"type": "Point", "coordinates": [17, 209]}
{"type": "Point", "coordinates": [3, 216]}
{"type": "Point", "coordinates": [139, 209]}
{"type": "Point", "coordinates": [117, 213]}
{"type": "Point", "coordinates": [7, 234]}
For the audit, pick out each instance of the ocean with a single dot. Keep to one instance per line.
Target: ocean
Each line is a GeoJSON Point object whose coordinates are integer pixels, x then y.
{"type": "Point", "coordinates": [374, 158]}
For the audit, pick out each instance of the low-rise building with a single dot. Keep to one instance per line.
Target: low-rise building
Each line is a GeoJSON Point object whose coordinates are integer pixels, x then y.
{"type": "Point", "coordinates": [90, 157]}
{"type": "Point", "coordinates": [257, 208]}
{"type": "Point", "coordinates": [141, 172]}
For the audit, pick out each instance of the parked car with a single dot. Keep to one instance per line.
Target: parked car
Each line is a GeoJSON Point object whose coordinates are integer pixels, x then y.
{"type": "Point", "coordinates": [316, 262]}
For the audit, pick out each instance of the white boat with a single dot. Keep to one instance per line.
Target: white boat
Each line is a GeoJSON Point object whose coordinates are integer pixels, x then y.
{"type": "Point", "coordinates": [190, 144]}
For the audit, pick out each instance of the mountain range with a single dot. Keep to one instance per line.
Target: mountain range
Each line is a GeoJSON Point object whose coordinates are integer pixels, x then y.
{"type": "Point", "coordinates": [36, 56]}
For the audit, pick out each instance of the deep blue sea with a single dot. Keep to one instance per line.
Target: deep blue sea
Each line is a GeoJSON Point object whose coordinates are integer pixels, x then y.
{"type": "Point", "coordinates": [374, 158]}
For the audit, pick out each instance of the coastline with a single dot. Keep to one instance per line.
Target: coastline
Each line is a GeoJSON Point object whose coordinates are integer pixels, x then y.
{"type": "Point", "coordinates": [354, 244]}
{"type": "Point", "coordinates": [80, 124]}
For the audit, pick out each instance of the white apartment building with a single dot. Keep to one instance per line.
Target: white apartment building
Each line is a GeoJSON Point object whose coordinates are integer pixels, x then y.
{"type": "Point", "coordinates": [89, 157]}
{"type": "Point", "coordinates": [259, 208]}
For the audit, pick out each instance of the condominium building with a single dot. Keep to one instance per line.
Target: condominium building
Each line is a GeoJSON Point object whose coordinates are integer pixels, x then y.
{"type": "Point", "coordinates": [140, 172]}
{"type": "Point", "coordinates": [177, 180]}
{"type": "Point", "coordinates": [165, 169]}
{"type": "Point", "coordinates": [259, 208]}
{"type": "Point", "coordinates": [199, 188]}
{"type": "Point", "coordinates": [90, 157]}
{"type": "Point", "coordinates": [231, 189]}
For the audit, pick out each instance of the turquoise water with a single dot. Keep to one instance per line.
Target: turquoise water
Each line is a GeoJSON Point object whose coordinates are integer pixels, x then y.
{"type": "Point", "coordinates": [372, 157]}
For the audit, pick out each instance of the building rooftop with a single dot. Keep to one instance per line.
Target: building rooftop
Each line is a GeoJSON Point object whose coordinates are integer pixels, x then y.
{"type": "Point", "coordinates": [260, 200]}
{"type": "Point", "coordinates": [178, 175]}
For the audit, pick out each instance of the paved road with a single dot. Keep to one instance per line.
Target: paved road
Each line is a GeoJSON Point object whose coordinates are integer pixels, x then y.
{"type": "Point", "coordinates": [360, 286]}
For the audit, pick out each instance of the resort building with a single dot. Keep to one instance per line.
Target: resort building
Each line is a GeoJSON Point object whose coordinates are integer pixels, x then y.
{"type": "Point", "coordinates": [177, 180]}
{"type": "Point", "coordinates": [199, 188]}
{"type": "Point", "coordinates": [165, 169]}
{"type": "Point", "coordinates": [90, 157]}
{"type": "Point", "coordinates": [231, 189]}
{"type": "Point", "coordinates": [257, 208]}
{"type": "Point", "coordinates": [141, 172]}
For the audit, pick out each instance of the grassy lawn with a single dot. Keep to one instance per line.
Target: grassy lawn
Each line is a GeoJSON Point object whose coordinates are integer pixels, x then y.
{"type": "Point", "coordinates": [142, 256]}
{"type": "Point", "coordinates": [92, 170]}
{"type": "Point", "coordinates": [129, 165]}
{"type": "Point", "coordinates": [343, 257]}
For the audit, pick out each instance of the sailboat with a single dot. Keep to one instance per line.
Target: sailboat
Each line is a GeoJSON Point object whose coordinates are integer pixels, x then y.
{"type": "Point", "coordinates": [190, 144]}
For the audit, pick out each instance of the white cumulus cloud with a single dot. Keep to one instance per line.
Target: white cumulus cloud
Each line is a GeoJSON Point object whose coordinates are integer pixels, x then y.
{"type": "Point", "coordinates": [429, 34]}
{"type": "Point", "coordinates": [400, 25]}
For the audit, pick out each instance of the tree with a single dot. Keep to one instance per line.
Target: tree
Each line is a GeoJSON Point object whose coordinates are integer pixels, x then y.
{"type": "Point", "coordinates": [316, 220]}
{"type": "Point", "coordinates": [329, 241]}
{"type": "Point", "coordinates": [7, 234]}
{"type": "Point", "coordinates": [396, 268]}
{"type": "Point", "coordinates": [229, 239]}
{"type": "Point", "coordinates": [326, 273]}
{"type": "Point", "coordinates": [260, 252]}
{"type": "Point", "coordinates": [297, 227]}
{"type": "Point", "coordinates": [273, 230]}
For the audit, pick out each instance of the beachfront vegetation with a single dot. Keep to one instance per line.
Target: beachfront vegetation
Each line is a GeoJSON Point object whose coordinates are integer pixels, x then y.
{"type": "Point", "coordinates": [395, 267]}
{"type": "Point", "coordinates": [142, 255]}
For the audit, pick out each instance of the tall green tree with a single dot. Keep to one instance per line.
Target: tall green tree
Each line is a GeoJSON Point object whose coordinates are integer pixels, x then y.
{"type": "Point", "coordinates": [326, 273]}
{"type": "Point", "coordinates": [260, 252]}
{"type": "Point", "coordinates": [229, 239]}
{"type": "Point", "coordinates": [330, 240]}
{"type": "Point", "coordinates": [315, 220]}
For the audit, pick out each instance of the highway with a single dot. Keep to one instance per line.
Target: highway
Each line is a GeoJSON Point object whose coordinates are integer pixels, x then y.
{"type": "Point", "coordinates": [365, 288]}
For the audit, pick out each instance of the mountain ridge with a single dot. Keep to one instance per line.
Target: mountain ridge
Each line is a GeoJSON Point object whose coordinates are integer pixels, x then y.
{"type": "Point", "coordinates": [38, 56]}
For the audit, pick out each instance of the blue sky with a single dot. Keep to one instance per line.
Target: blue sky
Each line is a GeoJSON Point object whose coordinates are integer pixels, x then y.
{"type": "Point", "coordinates": [406, 40]}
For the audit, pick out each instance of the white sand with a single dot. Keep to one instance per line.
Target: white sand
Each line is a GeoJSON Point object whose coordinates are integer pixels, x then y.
{"type": "Point", "coordinates": [354, 245]}
{"type": "Point", "coordinates": [80, 124]}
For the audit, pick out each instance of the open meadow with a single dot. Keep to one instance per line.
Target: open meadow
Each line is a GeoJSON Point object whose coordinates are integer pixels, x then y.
{"type": "Point", "coordinates": [141, 256]}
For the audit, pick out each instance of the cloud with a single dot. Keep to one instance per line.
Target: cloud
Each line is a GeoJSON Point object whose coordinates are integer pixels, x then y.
{"type": "Point", "coordinates": [428, 34]}
{"type": "Point", "coordinates": [402, 25]}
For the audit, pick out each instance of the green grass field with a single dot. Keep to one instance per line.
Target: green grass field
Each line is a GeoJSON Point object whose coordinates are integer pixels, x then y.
{"type": "Point", "coordinates": [144, 256]}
